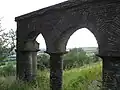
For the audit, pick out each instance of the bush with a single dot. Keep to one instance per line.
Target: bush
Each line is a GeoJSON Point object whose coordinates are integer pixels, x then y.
{"type": "Point", "coordinates": [76, 57]}
{"type": "Point", "coordinates": [43, 61]}
{"type": "Point", "coordinates": [8, 69]}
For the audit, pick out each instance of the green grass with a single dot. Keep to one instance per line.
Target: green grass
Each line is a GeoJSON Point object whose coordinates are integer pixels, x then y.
{"type": "Point", "coordinates": [83, 78]}
{"type": "Point", "coordinates": [87, 77]}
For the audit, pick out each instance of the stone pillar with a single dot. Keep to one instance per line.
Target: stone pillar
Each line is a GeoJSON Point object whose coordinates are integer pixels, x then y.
{"type": "Point", "coordinates": [26, 61]}
{"type": "Point", "coordinates": [56, 71]}
{"type": "Point", "coordinates": [34, 65]}
{"type": "Point", "coordinates": [111, 73]}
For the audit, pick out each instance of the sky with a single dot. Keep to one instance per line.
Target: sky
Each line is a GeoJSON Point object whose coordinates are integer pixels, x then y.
{"type": "Point", "coordinates": [9, 9]}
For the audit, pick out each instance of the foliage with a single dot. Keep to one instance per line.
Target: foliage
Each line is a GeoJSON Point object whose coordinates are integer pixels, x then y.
{"type": "Point", "coordinates": [43, 61]}
{"type": "Point", "coordinates": [76, 57]}
{"type": "Point", "coordinates": [87, 77]}
{"type": "Point", "coordinates": [7, 42]}
{"type": "Point", "coordinates": [8, 69]}
{"type": "Point", "coordinates": [84, 77]}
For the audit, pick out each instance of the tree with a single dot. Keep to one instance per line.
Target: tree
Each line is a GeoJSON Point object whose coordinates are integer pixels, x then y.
{"type": "Point", "coordinates": [7, 42]}
{"type": "Point", "coordinates": [43, 61]}
{"type": "Point", "coordinates": [76, 57]}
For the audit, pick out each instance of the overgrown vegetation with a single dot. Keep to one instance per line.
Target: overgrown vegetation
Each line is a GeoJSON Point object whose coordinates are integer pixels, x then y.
{"type": "Point", "coordinates": [87, 77]}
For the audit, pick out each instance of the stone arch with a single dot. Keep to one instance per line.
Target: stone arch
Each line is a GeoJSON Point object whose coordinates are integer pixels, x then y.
{"type": "Point", "coordinates": [66, 36]}
{"type": "Point", "coordinates": [34, 34]}
{"type": "Point", "coordinates": [66, 26]}
{"type": "Point", "coordinates": [57, 23]}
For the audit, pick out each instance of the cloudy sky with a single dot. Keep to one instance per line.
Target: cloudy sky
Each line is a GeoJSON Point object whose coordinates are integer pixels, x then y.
{"type": "Point", "coordinates": [9, 9]}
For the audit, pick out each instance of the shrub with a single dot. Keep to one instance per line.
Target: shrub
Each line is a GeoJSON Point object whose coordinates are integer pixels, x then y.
{"type": "Point", "coordinates": [8, 69]}
{"type": "Point", "coordinates": [43, 61]}
{"type": "Point", "coordinates": [76, 57]}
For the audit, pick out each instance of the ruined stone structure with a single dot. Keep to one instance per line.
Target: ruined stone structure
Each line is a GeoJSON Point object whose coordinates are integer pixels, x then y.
{"type": "Point", "coordinates": [57, 23]}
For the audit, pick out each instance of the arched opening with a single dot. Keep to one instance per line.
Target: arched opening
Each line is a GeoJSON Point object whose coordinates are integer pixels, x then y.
{"type": "Point", "coordinates": [82, 38]}
{"type": "Point", "coordinates": [81, 62]}
{"type": "Point", "coordinates": [42, 57]}
{"type": "Point", "coordinates": [42, 45]}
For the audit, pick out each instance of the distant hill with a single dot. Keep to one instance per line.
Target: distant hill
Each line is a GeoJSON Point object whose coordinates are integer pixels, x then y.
{"type": "Point", "coordinates": [86, 49]}
{"type": "Point", "coordinates": [90, 49]}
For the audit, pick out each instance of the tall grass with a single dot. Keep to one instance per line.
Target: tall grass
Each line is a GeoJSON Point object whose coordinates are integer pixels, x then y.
{"type": "Point", "coordinates": [87, 77]}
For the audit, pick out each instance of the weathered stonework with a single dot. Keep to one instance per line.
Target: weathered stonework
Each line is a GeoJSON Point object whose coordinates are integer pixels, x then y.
{"type": "Point", "coordinates": [56, 71]}
{"type": "Point", "coordinates": [57, 23]}
{"type": "Point", "coordinates": [111, 73]}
